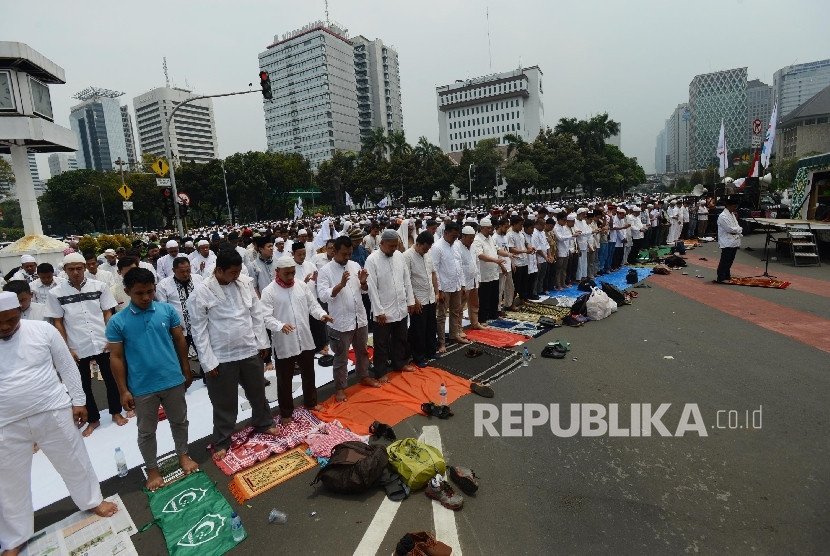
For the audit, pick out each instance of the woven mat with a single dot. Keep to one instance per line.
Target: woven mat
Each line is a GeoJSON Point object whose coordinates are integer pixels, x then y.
{"type": "Point", "coordinates": [496, 337]}
{"type": "Point", "coordinates": [518, 327]}
{"type": "Point", "coordinates": [493, 364]}
{"type": "Point", "coordinates": [758, 283]}
{"type": "Point", "coordinates": [268, 474]}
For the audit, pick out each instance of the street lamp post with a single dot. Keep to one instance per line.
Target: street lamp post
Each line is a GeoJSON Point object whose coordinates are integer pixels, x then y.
{"type": "Point", "coordinates": [470, 176]}
{"type": "Point", "coordinates": [227, 199]}
{"type": "Point", "coordinates": [101, 197]}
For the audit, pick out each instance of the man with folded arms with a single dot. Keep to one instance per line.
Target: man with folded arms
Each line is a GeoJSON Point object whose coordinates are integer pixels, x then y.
{"type": "Point", "coordinates": [390, 291]}
{"type": "Point", "coordinates": [422, 334]}
{"type": "Point", "coordinates": [447, 263]}
{"type": "Point", "coordinates": [36, 408]}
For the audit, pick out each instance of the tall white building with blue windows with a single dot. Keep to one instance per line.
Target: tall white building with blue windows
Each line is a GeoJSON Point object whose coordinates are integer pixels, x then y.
{"type": "Point", "coordinates": [97, 122]}
{"type": "Point", "coordinates": [794, 85]}
{"type": "Point", "coordinates": [490, 107]}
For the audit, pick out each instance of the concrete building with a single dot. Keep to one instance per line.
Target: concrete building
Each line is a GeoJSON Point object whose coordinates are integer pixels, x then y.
{"type": "Point", "coordinates": [314, 111]}
{"type": "Point", "coordinates": [129, 137]}
{"type": "Point", "coordinates": [712, 97]}
{"type": "Point", "coordinates": [794, 85]}
{"type": "Point", "coordinates": [677, 140]}
{"type": "Point", "coordinates": [97, 124]}
{"type": "Point", "coordinates": [660, 153]}
{"type": "Point", "coordinates": [806, 129]}
{"type": "Point", "coordinates": [378, 81]}
{"type": "Point", "coordinates": [758, 104]}
{"type": "Point", "coordinates": [192, 133]}
{"type": "Point", "coordinates": [490, 106]}
{"type": "Point", "coordinates": [61, 162]}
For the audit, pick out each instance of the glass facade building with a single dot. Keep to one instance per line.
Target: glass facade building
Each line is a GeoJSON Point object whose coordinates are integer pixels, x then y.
{"type": "Point", "coordinates": [98, 125]}
{"type": "Point", "coordinates": [794, 85]}
{"type": "Point", "coordinates": [714, 97]}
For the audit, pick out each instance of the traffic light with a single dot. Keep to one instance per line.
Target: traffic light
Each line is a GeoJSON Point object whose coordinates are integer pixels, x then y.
{"type": "Point", "coordinates": [265, 81]}
{"type": "Point", "coordinates": [167, 195]}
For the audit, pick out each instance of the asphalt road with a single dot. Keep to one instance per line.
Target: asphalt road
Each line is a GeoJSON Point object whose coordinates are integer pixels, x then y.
{"type": "Point", "coordinates": [761, 489]}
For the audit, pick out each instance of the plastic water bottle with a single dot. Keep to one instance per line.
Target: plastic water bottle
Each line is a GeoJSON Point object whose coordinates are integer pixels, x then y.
{"type": "Point", "coordinates": [121, 463]}
{"type": "Point", "coordinates": [236, 527]}
{"type": "Point", "coordinates": [95, 369]}
{"type": "Point", "coordinates": [526, 357]}
{"type": "Point", "coordinates": [442, 394]}
{"type": "Point", "coordinates": [277, 516]}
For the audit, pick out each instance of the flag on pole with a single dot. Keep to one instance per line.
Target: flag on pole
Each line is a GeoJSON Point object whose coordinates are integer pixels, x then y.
{"type": "Point", "coordinates": [349, 200]}
{"type": "Point", "coordinates": [766, 150]}
{"type": "Point", "coordinates": [298, 209]}
{"type": "Point", "coordinates": [753, 169]}
{"type": "Point", "coordinates": [722, 162]}
{"type": "Point", "coordinates": [383, 202]}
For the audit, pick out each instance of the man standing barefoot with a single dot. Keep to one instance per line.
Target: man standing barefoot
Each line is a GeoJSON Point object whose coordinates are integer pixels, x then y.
{"type": "Point", "coordinates": [36, 408]}
{"type": "Point", "coordinates": [148, 357]}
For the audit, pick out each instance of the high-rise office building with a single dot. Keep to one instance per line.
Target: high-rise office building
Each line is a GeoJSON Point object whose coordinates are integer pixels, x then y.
{"type": "Point", "coordinates": [314, 109]}
{"type": "Point", "coordinates": [758, 104]}
{"type": "Point", "coordinates": [491, 107]}
{"type": "Point", "coordinates": [378, 81]}
{"type": "Point", "coordinates": [714, 97]}
{"type": "Point", "coordinates": [61, 162]}
{"type": "Point", "coordinates": [192, 132]}
{"type": "Point", "coordinates": [97, 123]}
{"type": "Point", "coordinates": [677, 140]}
{"type": "Point", "coordinates": [660, 152]}
{"type": "Point", "coordinates": [129, 137]}
{"type": "Point", "coordinates": [794, 85]}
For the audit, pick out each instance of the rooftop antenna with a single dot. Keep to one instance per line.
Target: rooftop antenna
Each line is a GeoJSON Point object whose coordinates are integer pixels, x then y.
{"type": "Point", "coordinates": [166, 77]}
{"type": "Point", "coordinates": [327, 12]}
{"type": "Point", "coordinates": [489, 47]}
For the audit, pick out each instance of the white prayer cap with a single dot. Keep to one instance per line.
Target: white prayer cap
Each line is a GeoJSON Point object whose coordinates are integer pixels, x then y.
{"type": "Point", "coordinates": [485, 222]}
{"type": "Point", "coordinates": [202, 242]}
{"type": "Point", "coordinates": [650, 206]}
{"type": "Point", "coordinates": [285, 262]}
{"type": "Point", "coordinates": [672, 202]}
{"type": "Point", "coordinates": [635, 208]}
{"type": "Point", "coordinates": [27, 259]}
{"type": "Point", "coordinates": [109, 252]}
{"type": "Point", "coordinates": [702, 202]}
{"type": "Point", "coordinates": [170, 244]}
{"type": "Point", "coordinates": [620, 209]}
{"type": "Point", "coordinates": [571, 217]}
{"type": "Point", "coordinates": [389, 235]}
{"type": "Point", "coordinates": [302, 232]}
{"type": "Point", "coordinates": [468, 231]}
{"type": "Point", "coordinates": [514, 213]}
{"type": "Point", "coordinates": [8, 301]}
{"type": "Point", "coordinates": [279, 240]}
{"type": "Point", "coordinates": [186, 244]}
{"type": "Point", "coordinates": [73, 258]}
{"type": "Point", "coordinates": [582, 210]}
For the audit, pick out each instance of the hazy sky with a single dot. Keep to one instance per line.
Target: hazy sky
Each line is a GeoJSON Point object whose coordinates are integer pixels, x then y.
{"type": "Point", "coordinates": [631, 58]}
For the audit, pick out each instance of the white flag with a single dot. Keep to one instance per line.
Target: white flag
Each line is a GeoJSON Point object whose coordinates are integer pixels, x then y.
{"type": "Point", "coordinates": [349, 200]}
{"type": "Point", "coordinates": [722, 162]}
{"type": "Point", "coordinates": [298, 210]}
{"type": "Point", "coordinates": [383, 202]}
{"type": "Point", "coordinates": [766, 150]}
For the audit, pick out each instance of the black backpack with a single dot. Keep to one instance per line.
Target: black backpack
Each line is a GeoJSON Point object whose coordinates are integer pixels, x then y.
{"type": "Point", "coordinates": [586, 285]}
{"type": "Point", "coordinates": [353, 467]}
{"type": "Point", "coordinates": [631, 277]}
{"type": "Point", "coordinates": [675, 261]}
{"type": "Point", "coordinates": [580, 306]}
{"type": "Point", "coordinates": [614, 293]}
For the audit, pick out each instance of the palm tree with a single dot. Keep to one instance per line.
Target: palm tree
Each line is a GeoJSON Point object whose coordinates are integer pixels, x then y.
{"type": "Point", "coordinates": [600, 129]}
{"type": "Point", "coordinates": [514, 143]}
{"type": "Point", "coordinates": [397, 144]}
{"type": "Point", "coordinates": [377, 143]}
{"type": "Point", "coordinates": [426, 152]}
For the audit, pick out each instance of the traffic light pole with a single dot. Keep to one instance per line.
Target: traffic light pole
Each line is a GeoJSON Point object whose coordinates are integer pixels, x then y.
{"type": "Point", "coordinates": [169, 150]}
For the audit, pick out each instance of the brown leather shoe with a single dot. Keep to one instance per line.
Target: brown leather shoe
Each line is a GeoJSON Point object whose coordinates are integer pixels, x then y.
{"type": "Point", "coordinates": [429, 545]}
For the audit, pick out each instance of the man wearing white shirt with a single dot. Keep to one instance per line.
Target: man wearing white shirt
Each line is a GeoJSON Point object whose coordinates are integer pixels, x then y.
{"type": "Point", "coordinates": [619, 236]}
{"type": "Point", "coordinates": [46, 280]}
{"type": "Point", "coordinates": [38, 407]}
{"type": "Point", "coordinates": [447, 263]}
{"type": "Point", "coordinates": [543, 259]}
{"type": "Point", "coordinates": [564, 241]}
{"type": "Point", "coordinates": [176, 290]}
{"type": "Point", "coordinates": [423, 340]}
{"type": "Point", "coordinates": [229, 333]}
{"type": "Point", "coordinates": [81, 308]}
{"type": "Point", "coordinates": [287, 304]}
{"type": "Point", "coordinates": [262, 265]}
{"type": "Point", "coordinates": [469, 269]}
{"type": "Point", "coordinates": [110, 263]}
{"type": "Point", "coordinates": [675, 223]}
{"type": "Point", "coordinates": [507, 293]}
{"type": "Point", "coordinates": [582, 243]}
{"type": "Point", "coordinates": [490, 268]}
{"type": "Point", "coordinates": [638, 230]}
{"type": "Point", "coordinates": [390, 292]}
{"type": "Point", "coordinates": [28, 310]}
{"type": "Point", "coordinates": [164, 266]}
{"type": "Point", "coordinates": [27, 271]}
{"type": "Point", "coordinates": [517, 245]}
{"type": "Point", "coordinates": [94, 272]}
{"type": "Point", "coordinates": [322, 259]}
{"type": "Point", "coordinates": [729, 239]}
{"type": "Point", "coordinates": [702, 218]}
{"type": "Point", "coordinates": [202, 260]}
{"type": "Point", "coordinates": [306, 272]}
{"type": "Point", "coordinates": [341, 284]}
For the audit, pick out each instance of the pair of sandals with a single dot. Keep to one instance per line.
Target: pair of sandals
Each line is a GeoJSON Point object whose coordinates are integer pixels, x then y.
{"type": "Point", "coordinates": [434, 410]}
{"type": "Point", "coordinates": [382, 430]}
{"type": "Point", "coordinates": [396, 489]}
{"type": "Point", "coordinates": [556, 350]}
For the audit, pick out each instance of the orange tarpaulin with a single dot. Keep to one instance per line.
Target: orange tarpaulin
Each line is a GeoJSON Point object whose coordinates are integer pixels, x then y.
{"type": "Point", "coordinates": [393, 402]}
{"type": "Point", "coordinates": [495, 338]}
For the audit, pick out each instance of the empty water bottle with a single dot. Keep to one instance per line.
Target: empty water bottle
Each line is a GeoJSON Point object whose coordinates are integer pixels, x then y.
{"type": "Point", "coordinates": [94, 369]}
{"type": "Point", "coordinates": [121, 463]}
{"type": "Point", "coordinates": [442, 394]}
{"type": "Point", "coordinates": [276, 516]}
{"type": "Point", "coordinates": [236, 527]}
{"type": "Point", "coordinates": [526, 357]}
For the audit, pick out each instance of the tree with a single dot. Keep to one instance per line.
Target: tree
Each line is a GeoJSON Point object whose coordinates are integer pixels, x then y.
{"type": "Point", "coordinates": [486, 158]}
{"type": "Point", "coordinates": [696, 178]}
{"type": "Point", "coordinates": [521, 176]}
{"type": "Point", "coordinates": [376, 143]}
{"type": "Point", "coordinates": [6, 174]}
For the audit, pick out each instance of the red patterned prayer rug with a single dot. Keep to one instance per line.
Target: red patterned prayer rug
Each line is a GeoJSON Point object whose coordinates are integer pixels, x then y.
{"type": "Point", "coordinates": [759, 282]}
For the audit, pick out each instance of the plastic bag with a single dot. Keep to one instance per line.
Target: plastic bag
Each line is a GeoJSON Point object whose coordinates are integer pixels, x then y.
{"type": "Point", "coordinates": [599, 305]}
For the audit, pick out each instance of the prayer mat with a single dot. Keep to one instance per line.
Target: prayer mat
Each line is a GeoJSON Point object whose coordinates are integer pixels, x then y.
{"type": "Point", "coordinates": [249, 447]}
{"type": "Point", "coordinates": [759, 282]}
{"type": "Point", "coordinates": [492, 364]}
{"type": "Point", "coordinates": [193, 516]}
{"type": "Point", "coordinates": [369, 349]}
{"type": "Point", "coordinates": [322, 441]}
{"type": "Point", "coordinates": [496, 338]}
{"type": "Point", "coordinates": [546, 310]}
{"type": "Point", "coordinates": [268, 474]}
{"type": "Point", "coordinates": [524, 317]}
{"type": "Point", "coordinates": [518, 327]}
{"type": "Point", "coordinates": [393, 402]}
{"type": "Point", "coordinates": [559, 301]}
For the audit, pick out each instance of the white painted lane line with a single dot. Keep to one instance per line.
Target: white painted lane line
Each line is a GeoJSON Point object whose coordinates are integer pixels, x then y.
{"type": "Point", "coordinates": [443, 518]}
{"type": "Point", "coordinates": [374, 535]}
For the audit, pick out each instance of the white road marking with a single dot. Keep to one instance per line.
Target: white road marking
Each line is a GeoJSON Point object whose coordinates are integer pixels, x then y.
{"type": "Point", "coordinates": [374, 535]}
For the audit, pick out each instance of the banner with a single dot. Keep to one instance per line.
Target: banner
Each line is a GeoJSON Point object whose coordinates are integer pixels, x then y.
{"type": "Point", "coordinates": [766, 150]}
{"type": "Point", "coordinates": [383, 202]}
{"type": "Point", "coordinates": [349, 200]}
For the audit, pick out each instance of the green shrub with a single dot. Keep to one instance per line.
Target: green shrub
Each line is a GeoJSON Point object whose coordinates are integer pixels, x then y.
{"type": "Point", "coordinates": [88, 243]}
{"type": "Point", "coordinates": [12, 234]}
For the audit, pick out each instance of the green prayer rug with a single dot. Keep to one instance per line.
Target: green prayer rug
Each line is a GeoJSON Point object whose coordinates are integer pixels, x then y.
{"type": "Point", "coordinates": [193, 516]}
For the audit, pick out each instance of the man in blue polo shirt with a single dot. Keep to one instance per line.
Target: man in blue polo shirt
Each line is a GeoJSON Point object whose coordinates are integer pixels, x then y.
{"type": "Point", "coordinates": [148, 357]}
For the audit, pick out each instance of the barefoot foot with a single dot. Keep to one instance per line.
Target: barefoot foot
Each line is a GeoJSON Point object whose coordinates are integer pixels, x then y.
{"type": "Point", "coordinates": [187, 464]}
{"type": "Point", "coordinates": [369, 381]}
{"type": "Point", "coordinates": [274, 431]}
{"type": "Point", "coordinates": [105, 509]}
{"type": "Point", "coordinates": [119, 420]}
{"type": "Point", "coordinates": [130, 414]}
{"type": "Point", "coordinates": [91, 427]}
{"type": "Point", "coordinates": [317, 407]}
{"type": "Point", "coordinates": [285, 421]}
{"type": "Point", "coordinates": [13, 551]}
{"type": "Point", "coordinates": [220, 454]}
{"type": "Point", "coordinates": [442, 348]}
{"type": "Point", "coordinates": [154, 480]}
{"type": "Point", "coordinates": [383, 380]}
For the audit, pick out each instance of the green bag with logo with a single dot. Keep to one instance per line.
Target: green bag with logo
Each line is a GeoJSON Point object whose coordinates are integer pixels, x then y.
{"type": "Point", "coordinates": [193, 515]}
{"type": "Point", "coordinates": [415, 462]}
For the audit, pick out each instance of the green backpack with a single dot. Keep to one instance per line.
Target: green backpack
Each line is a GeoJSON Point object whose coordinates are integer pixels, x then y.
{"type": "Point", "coordinates": [415, 462]}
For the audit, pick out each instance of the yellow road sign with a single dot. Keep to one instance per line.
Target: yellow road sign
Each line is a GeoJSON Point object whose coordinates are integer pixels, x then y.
{"type": "Point", "coordinates": [125, 191]}
{"type": "Point", "coordinates": [160, 167]}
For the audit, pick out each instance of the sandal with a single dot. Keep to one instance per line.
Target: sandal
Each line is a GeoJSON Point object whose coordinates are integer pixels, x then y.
{"type": "Point", "coordinates": [382, 430]}
{"type": "Point", "coordinates": [482, 390]}
{"type": "Point", "coordinates": [395, 488]}
{"type": "Point", "coordinates": [635, 295]}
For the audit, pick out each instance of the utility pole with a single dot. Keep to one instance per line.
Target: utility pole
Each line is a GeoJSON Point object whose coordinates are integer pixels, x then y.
{"type": "Point", "coordinates": [121, 164]}
{"type": "Point", "coordinates": [101, 197]}
{"type": "Point", "coordinates": [470, 176]}
{"type": "Point", "coordinates": [227, 199]}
